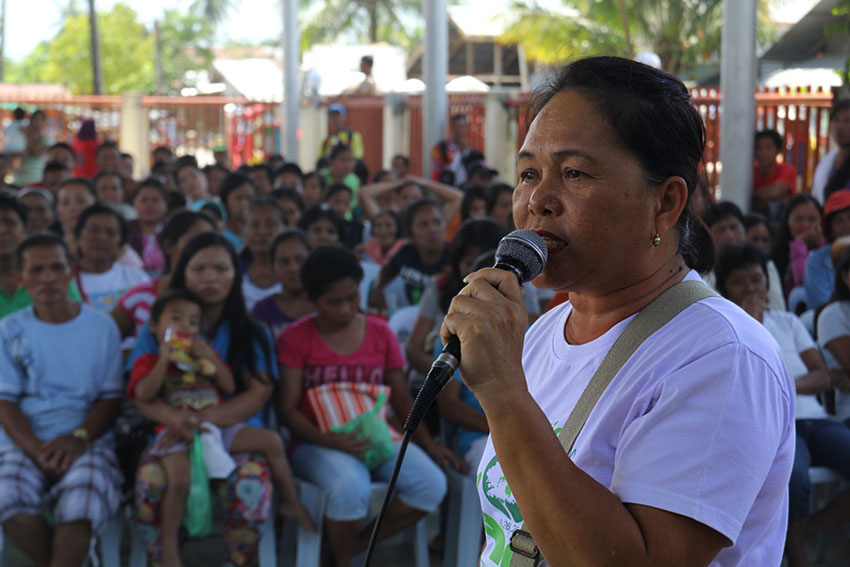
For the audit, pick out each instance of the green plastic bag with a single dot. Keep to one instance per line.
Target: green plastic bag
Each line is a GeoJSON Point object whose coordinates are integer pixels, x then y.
{"type": "Point", "coordinates": [376, 429]}
{"type": "Point", "coordinates": [198, 516]}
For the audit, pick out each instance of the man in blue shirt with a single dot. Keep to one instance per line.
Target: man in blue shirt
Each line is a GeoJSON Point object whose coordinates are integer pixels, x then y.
{"type": "Point", "coordinates": [60, 392]}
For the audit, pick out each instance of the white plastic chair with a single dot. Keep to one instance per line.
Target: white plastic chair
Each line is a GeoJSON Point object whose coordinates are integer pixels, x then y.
{"type": "Point", "coordinates": [308, 546]}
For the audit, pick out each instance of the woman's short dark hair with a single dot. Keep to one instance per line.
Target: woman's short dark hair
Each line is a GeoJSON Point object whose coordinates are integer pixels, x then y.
{"type": "Point", "coordinates": [288, 195]}
{"type": "Point", "coordinates": [245, 333]}
{"type": "Point", "coordinates": [153, 183]}
{"type": "Point", "coordinates": [286, 236]}
{"type": "Point", "coordinates": [10, 203]}
{"type": "Point", "coordinates": [471, 194]}
{"type": "Point", "coordinates": [102, 209]}
{"type": "Point", "coordinates": [756, 219]}
{"type": "Point", "coordinates": [106, 173]}
{"type": "Point", "coordinates": [495, 192]}
{"type": "Point", "coordinates": [772, 135]}
{"type": "Point", "coordinates": [78, 181]}
{"type": "Point", "coordinates": [337, 188]}
{"type": "Point", "coordinates": [478, 235]}
{"type": "Point", "coordinates": [231, 183]}
{"type": "Point", "coordinates": [176, 225]}
{"type": "Point", "coordinates": [337, 150]}
{"type": "Point", "coordinates": [327, 265]}
{"type": "Point", "coordinates": [322, 211]}
{"type": "Point", "coordinates": [734, 257]}
{"type": "Point", "coordinates": [290, 167]}
{"type": "Point", "coordinates": [781, 253]}
{"type": "Point", "coordinates": [413, 209]}
{"type": "Point", "coordinates": [651, 113]}
{"type": "Point", "coordinates": [717, 212]}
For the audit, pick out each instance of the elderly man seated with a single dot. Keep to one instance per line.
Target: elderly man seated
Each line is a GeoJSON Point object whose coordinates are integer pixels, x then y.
{"type": "Point", "coordinates": [60, 391]}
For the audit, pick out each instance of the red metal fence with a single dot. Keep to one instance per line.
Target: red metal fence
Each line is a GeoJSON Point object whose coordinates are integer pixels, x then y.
{"type": "Point", "coordinates": [251, 130]}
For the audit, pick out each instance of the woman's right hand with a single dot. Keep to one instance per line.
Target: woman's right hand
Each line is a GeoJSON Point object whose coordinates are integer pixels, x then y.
{"type": "Point", "coordinates": [181, 427]}
{"type": "Point", "coordinates": [347, 443]}
{"type": "Point", "coordinates": [812, 236]}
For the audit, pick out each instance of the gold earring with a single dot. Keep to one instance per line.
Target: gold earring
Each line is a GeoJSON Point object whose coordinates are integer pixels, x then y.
{"type": "Point", "coordinates": [656, 240]}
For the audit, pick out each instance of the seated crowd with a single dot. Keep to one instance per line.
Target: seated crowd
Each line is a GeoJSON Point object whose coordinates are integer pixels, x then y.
{"type": "Point", "coordinates": [242, 305]}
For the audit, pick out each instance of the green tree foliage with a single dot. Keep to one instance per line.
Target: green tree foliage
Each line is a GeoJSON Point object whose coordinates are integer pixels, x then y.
{"type": "Point", "coordinates": [126, 55]}
{"type": "Point", "coordinates": [683, 33]}
{"type": "Point", "coordinates": [841, 26]}
{"type": "Point", "coordinates": [361, 20]}
{"type": "Point", "coordinates": [187, 42]}
{"type": "Point", "coordinates": [214, 11]}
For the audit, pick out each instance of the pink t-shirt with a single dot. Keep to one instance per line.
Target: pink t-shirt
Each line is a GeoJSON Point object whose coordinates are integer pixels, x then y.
{"type": "Point", "coordinates": [301, 346]}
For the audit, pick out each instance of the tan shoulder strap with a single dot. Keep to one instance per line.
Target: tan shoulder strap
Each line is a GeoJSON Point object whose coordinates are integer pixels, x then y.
{"type": "Point", "coordinates": [654, 316]}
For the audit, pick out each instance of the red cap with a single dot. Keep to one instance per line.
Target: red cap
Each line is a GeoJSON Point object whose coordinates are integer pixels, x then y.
{"type": "Point", "coordinates": [837, 201]}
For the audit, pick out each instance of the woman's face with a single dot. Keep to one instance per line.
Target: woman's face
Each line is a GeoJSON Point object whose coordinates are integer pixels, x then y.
{"type": "Point", "coordinates": [237, 201]}
{"type": "Point", "coordinates": [407, 195]}
{"type": "Point", "coordinates": [478, 209]}
{"type": "Point", "coordinates": [210, 275]}
{"type": "Point", "coordinates": [839, 224]}
{"type": "Point", "coordinates": [802, 218]}
{"type": "Point", "coordinates": [312, 191]}
{"type": "Point", "coordinates": [342, 165]}
{"type": "Point", "coordinates": [150, 205]}
{"type": "Point", "coordinates": [744, 282]}
{"type": "Point", "coordinates": [339, 304]}
{"type": "Point", "coordinates": [70, 203]}
{"type": "Point", "coordinates": [291, 212]}
{"type": "Point", "coordinates": [322, 233]}
{"type": "Point", "coordinates": [288, 258]}
{"type": "Point", "coordinates": [261, 226]}
{"type": "Point", "coordinates": [385, 230]}
{"type": "Point", "coordinates": [109, 189]}
{"type": "Point", "coordinates": [100, 238]}
{"type": "Point", "coordinates": [339, 202]}
{"type": "Point", "coordinates": [192, 183]}
{"type": "Point", "coordinates": [428, 231]}
{"type": "Point", "coordinates": [502, 209]}
{"type": "Point", "coordinates": [759, 236]}
{"type": "Point", "coordinates": [587, 197]}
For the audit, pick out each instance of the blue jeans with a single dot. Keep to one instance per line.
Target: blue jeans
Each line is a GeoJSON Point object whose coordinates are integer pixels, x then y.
{"type": "Point", "coordinates": [820, 443]}
{"type": "Point", "coordinates": [347, 482]}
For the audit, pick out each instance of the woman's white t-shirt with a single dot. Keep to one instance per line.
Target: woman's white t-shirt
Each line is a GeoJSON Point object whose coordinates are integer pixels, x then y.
{"type": "Point", "coordinates": [794, 339]}
{"type": "Point", "coordinates": [834, 322]}
{"type": "Point", "coordinates": [698, 422]}
{"type": "Point", "coordinates": [102, 291]}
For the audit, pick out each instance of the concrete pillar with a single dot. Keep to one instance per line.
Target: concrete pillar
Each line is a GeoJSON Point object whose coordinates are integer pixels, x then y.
{"type": "Point", "coordinates": [134, 132]}
{"type": "Point", "coordinates": [500, 141]}
{"type": "Point", "coordinates": [737, 85]}
{"type": "Point", "coordinates": [435, 62]}
{"type": "Point", "coordinates": [396, 133]}
{"type": "Point", "coordinates": [314, 127]}
{"type": "Point", "coordinates": [291, 92]}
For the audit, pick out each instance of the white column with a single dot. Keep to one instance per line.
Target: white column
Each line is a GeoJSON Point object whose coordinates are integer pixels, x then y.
{"type": "Point", "coordinates": [738, 112]}
{"type": "Point", "coordinates": [396, 136]}
{"type": "Point", "coordinates": [500, 141]}
{"type": "Point", "coordinates": [435, 62]}
{"type": "Point", "coordinates": [134, 132]}
{"type": "Point", "coordinates": [291, 95]}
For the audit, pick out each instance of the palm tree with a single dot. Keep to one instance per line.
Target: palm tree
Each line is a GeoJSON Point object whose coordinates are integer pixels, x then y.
{"type": "Point", "coordinates": [213, 10]}
{"type": "Point", "coordinates": [681, 32]}
{"type": "Point", "coordinates": [362, 20]}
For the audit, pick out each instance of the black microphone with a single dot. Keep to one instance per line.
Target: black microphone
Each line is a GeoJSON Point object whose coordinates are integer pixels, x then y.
{"type": "Point", "coordinates": [522, 252]}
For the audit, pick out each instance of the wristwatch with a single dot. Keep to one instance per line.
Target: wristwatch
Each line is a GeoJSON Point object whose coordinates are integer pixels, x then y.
{"type": "Point", "coordinates": [82, 434]}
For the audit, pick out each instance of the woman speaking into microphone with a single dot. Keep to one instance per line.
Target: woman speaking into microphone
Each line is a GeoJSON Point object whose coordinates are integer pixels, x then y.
{"type": "Point", "coordinates": [647, 421]}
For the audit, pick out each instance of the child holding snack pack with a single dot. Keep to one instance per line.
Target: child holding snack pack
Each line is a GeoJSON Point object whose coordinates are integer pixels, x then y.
{"type": "Point", "coordinates": [189, 375]}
